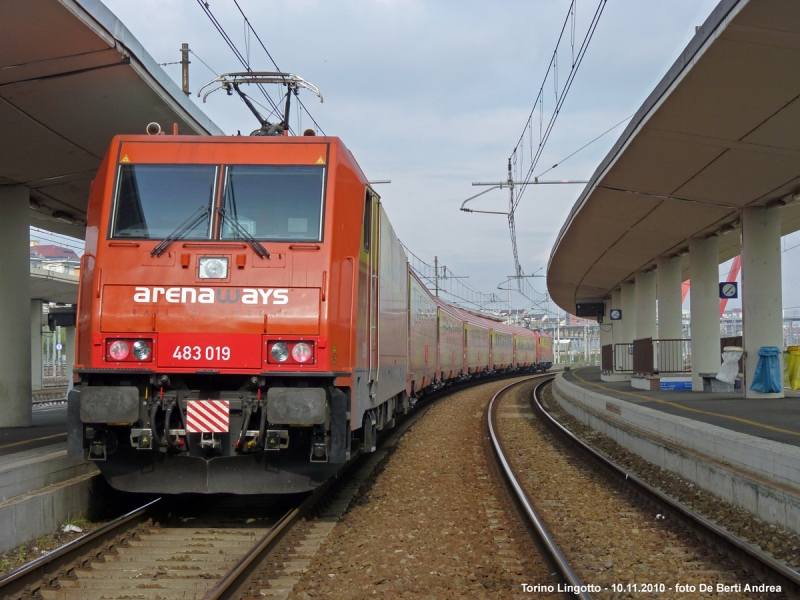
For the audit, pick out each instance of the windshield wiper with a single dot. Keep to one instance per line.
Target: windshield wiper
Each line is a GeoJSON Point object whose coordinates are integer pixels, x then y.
{"type": "Point", "coordinates": [181, 230]}
{"type": "Point", "coordinates": [237, 227]}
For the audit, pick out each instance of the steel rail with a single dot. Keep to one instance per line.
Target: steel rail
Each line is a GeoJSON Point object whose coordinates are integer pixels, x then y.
{"type": "Point", "coordinates": [236, 582]}
{"type": "Point", "coordinates": [534, 519]}
{"type": "Point", "coordinates": [36, 571]}
{"type": "Point", "coordinates": [744, 551]}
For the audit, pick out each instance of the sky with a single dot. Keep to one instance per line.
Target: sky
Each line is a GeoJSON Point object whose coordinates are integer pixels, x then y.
{"type": "Point", "coordinates": [434, 96]}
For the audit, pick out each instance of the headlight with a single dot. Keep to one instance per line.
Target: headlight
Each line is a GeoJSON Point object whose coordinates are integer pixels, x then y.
{"type": "Point", "coordinates": [119, 350]}
{"type": "Point", "coordinates": [141, 350]}
{"type": "Point", "coordinates": [301, 352]}
{"type": "Point", "coordinates": [212, 267]}
{"type": "Point", "coordinates": [280, 352]}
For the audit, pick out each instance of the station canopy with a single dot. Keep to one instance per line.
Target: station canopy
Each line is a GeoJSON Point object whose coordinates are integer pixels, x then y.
{"type": "Point", "coordinates": [71, 77]}
{"type": "Point", "coordinates": [720, 132]}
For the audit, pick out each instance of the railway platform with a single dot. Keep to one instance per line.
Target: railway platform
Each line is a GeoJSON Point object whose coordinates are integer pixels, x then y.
{"type": "Point", "coordinates": [745, 451]}
{"type": "Point", "coordinates": [49, 426]}
{"type": "Point", "coordinates": [776, 419]}
{"type": "Point", "coordinates": [40, 487]}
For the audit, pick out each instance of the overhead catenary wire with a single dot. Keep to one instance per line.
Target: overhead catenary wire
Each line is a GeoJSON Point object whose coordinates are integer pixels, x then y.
{"type": "Point", "coordinates": [275, 64]}
{"type": "Point", "coordinates": [458, 289]}
{"type": "Point", "coordinates": [544, 134]}
{"type": "Point", "coordinates": [516, 161]}
{"type": "Point", "coordinates": [244, 62]}
{"type": "Point", "coordinates": [465, 295]}
{"type": "Point", "coordinates": [609, 130]}
{"type": "Point", "coordinates": [204, 62]}
{"type": "Point", "coordinates": [56, 239]}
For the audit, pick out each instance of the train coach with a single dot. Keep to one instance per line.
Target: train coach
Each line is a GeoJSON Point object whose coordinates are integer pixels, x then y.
{"type": "Point", "coordinates": [247, 318]}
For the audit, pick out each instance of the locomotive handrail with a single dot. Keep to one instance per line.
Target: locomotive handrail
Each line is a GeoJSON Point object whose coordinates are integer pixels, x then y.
{"type": "Point", "coordinates": [82, 268]}
{"type": "Point", "coordinates": [353, 294]}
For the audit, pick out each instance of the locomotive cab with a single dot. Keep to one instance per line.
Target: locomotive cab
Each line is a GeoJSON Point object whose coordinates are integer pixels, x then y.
{"type": "Point", "coordinates": [212, 344]}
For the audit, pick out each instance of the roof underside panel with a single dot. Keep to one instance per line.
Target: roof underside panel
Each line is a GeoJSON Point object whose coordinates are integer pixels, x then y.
{"type": "Point", "coordinates": [71, 77]}
{"type": "Point", "coordinates": [717, 134]}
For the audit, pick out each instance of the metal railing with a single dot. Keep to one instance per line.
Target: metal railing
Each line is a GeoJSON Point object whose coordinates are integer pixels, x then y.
{"type": "Point", "coordinates": [662, 356]}
{"type": "Point", "coordinates": [623, 358]}
{"type": "Point", "coordinates": [673, 356]}
{"type": "Point", "coordinates": [647, 356]}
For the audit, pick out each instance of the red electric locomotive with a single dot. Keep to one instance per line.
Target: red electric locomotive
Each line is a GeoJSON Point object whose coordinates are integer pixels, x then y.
{"type": "Point", "coordinates": [245, 312]}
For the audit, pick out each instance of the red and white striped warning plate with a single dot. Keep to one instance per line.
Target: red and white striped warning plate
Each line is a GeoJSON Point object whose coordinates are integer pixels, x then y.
{"type": "Point", "coordinates": [207, 416]}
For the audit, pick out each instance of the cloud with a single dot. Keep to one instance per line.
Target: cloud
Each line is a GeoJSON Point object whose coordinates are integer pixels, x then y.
{"type": "Point", "coordinates": [434, 95]}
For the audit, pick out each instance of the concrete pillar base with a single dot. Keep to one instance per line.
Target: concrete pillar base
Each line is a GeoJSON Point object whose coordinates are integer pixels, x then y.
{"type": "Point", "coordinates": [611, 377]}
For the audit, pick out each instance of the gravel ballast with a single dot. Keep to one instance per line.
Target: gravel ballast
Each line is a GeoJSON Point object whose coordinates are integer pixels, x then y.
{"type": "Point", "coordinates": [782, 545]}
{"type": "Point", "coordinates": [433, 523]}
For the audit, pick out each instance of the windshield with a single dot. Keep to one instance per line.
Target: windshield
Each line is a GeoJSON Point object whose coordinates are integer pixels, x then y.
{"type": "Point", "coordinates": [154, 200]}
{"type": "Point", "coordinates": [274, 202]}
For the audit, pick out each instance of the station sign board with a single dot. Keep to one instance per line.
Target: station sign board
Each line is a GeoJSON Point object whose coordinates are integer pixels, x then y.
{"type": "Point", "coordinates": [728, 289]}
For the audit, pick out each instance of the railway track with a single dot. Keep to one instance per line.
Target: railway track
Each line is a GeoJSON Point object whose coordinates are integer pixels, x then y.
{"type": "Point", "coordinates": [163, 550]}
{"type": "Point", "coordinates": [180, 549]}
{"type": "Point", "coordinates": [564, 575]}
{"type": "Point", "coordinates": [674, 551]}
{"type": "Point", "coordinates": [150, 553]}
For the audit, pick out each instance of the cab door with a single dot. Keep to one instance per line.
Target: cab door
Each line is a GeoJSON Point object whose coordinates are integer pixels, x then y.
{"type": "Point", "coordinates": [372, 222]}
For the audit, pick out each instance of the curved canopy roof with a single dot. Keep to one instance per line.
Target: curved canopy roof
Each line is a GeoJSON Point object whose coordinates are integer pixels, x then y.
{"type": "Point", "coordinates": [71, 77]}
{"type": "Point", "coordinates": [718, 133]}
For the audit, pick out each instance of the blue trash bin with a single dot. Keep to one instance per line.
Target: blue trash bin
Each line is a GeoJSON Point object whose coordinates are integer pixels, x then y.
{"type": "Point", "coordinates": [767, 378]}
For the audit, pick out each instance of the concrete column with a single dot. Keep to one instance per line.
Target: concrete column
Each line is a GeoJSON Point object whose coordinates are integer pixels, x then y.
{"type": "Point", "coordinates": [605, 326]}
{"type": "Point", "coordinates": [617, 327]}
{"type": "Point", "coordinates": [629, 311]}
{"type": "Point", "coordinates": [645, 304]}
{"type": "Point", "coordinates": [36, 344]}
{"type": "Point", "coordinates": [670, 313]}
{"type": "Point", "coordinates": [15, 308]}
{"type": "Point", "coordinates": [704, 305]}
{"type": "Point", "coordinates": [69, 351]}
{"type": "Point", "coordinates": [762, 305]}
